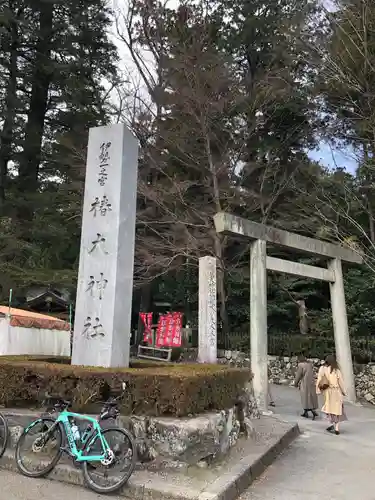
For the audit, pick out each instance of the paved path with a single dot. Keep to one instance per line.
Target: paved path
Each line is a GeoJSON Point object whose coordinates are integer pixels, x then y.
{"type": "Point", "coordinates": [16, 487]}
{"type": "Point", "coordinates": [319, 465]}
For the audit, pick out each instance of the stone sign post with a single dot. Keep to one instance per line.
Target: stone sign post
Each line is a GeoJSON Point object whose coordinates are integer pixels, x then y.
{"type": "Point", "coordinates": [207, 324]}
{"type": "Point", "coordinates": [105, 278]}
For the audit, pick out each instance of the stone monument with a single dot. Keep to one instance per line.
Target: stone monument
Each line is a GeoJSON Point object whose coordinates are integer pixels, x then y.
{"type": "Point", "coordinates": [105, 278]}
{"type": "Point", "coordinates": [207, 323]}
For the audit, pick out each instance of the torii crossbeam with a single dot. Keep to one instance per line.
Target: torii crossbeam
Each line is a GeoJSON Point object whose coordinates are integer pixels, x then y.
{"type": "Point", "coordinates": [260, 235]}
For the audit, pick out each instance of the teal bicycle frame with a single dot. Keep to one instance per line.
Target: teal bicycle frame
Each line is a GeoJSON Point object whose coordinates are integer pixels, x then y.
{"type": "Point", "coordinates": [77, 454]}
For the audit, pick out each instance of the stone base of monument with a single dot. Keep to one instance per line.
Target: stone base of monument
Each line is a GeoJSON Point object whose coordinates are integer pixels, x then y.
{"type": "Point", "coordinates": [171, 442]}
{"type": "Point", "coordinates": [225, 479]}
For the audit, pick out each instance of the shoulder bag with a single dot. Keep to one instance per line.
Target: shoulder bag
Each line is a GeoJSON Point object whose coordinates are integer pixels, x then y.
{"type": "Point", "coordinates": [323, 383]}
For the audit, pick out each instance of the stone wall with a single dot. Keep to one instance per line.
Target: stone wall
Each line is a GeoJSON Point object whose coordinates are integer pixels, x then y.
{"type": "Point", "coordinates": [282, 371]}
{"type": "Point", "coordinates": [177, 442]}
{"type": "Point", "coordinates": [230, 358]}
{"type": "Point", "coordinates": [174, 442]}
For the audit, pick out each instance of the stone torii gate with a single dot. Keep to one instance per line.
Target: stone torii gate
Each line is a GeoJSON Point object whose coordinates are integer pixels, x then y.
{"type": "Point", "coordinates": [260, 235]}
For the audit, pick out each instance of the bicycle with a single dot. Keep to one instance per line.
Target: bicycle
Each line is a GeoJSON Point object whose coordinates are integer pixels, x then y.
{"type": "Point", "coordinates": [4, 434]}
{"type": "Point", "coordinates": [91, 449]}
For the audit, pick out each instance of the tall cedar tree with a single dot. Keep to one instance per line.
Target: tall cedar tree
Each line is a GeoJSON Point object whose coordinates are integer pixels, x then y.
{"type": "Point", "coordinates": [58, 62]}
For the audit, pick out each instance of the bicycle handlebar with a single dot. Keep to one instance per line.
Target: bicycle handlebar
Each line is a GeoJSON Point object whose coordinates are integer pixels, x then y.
{"type": "Point", "coordinates": [62, 404]}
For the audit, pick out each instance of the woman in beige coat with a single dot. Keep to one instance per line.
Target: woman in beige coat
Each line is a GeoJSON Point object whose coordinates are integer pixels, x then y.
{"type": "Point", "coordinates": [305, 381]}
{"type": "Point", "coordinates": [331, 383]}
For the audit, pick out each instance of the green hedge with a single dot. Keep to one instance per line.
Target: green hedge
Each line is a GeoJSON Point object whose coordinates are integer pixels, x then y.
{"type": "Point", "coordinates": [45, 359]}
{"type": "Point", "coordinates": [177, 390]}
{"type": "Point", "coordinates": [363, 349]}
{"type": "Point", "coordinates": [66, 360]}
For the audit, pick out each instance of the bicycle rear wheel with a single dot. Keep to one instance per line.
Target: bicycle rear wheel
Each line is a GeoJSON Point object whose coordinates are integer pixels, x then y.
{"type": "Point", "coordinates": [34, 445]}
{"type": "Point", "coordinates": [111, 474]}
{"type": "Point", "coordinates": [4, 434]}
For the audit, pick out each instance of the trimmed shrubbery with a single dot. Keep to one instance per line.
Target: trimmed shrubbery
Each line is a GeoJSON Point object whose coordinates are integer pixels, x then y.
{"type": "Point", "coordinates": [312, 346]}
{"type": "Point", "coordinates": [363, 349]}
{"type": "Point", "coordinates": [154, 390]}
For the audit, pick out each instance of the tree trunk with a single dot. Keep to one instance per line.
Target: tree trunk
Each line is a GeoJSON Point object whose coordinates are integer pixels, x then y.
{"type": "Point", "coordinates": [221, 285]}
{"type": "Point", "coordinates": [303, 321]}
{"type": "Point", "coordinates": [368, 179]}
{"type": "Point", "coordinates": [371, 221]}
{"type": "Point", "coordinates": [42, 75]}
{"type": "Point", "coordinates": [222, 301]}
{"type": "Point", "coordinates": [218, 243]}
{"type": "Point", "coordinates": [6, 134]}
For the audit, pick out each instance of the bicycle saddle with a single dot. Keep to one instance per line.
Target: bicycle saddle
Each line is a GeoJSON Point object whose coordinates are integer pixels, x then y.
{"type": "Point", "coordinates": [63, 402]}
{"type": "Point", "coordinates": [111, 403]}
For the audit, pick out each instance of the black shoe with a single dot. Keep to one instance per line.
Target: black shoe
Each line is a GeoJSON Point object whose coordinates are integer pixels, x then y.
{"type": "Point", "coordinates": [305, 414]}
{"type": "Point", "coordinates": [315, 415]}
{"type": "Point", "coordinates": [272, 403]}
{"type": "Point", "coordinates": [337, 433]}
{"type": "Point", "coordinates": [331, 428]}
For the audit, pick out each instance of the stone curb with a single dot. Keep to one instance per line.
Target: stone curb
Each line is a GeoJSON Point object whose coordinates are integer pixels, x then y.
{"type": "Point", "coordinates": [135, 488]}
{"type": "Point", "coordinates": [232, 484]}
{"type": "Point", "coordinates": [153, 486]}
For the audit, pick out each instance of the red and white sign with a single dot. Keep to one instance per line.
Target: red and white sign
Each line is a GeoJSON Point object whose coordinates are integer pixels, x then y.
{"type": "Point", "coordinates": [161, 330]}
{"type": "Point", "coordinates": [147, 321]}
{"type": "Point", "coordinates": [177, 333]}
{"type": "Point", "coordinates": [169, 330]}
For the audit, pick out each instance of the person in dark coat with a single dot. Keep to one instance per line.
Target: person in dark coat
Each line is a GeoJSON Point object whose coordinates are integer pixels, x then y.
{"type": "Point", "coordinates": [271, 402]}
{"type": "Point", "coordinates": [304, 380]}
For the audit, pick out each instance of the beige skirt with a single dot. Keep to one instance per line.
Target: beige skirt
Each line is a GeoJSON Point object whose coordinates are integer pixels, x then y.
{"type": "Point", "coordinates": [335, 419]}
{"type": "Point", "coordinates": [333, 401]}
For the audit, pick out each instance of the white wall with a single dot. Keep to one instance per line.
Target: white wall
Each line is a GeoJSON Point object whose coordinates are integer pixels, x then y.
{"type": "Point", "coordinates": [16, 340]}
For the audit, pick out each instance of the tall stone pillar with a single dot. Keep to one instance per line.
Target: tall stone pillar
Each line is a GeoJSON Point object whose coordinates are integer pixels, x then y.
{"type": "Point", "coordinates": [105, 278]}
{"type": "Point", "coordinates": [340, 328]}
{"type": "Point", "coordinates": [207, 322]}
{"type": "Point", "coordinates": [258, 322]}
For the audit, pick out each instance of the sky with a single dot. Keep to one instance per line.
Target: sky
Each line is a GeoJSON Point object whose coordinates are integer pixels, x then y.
{"type": "Point", "coordinates": [326, 154]}
{"type": "Point", "coordinates": [334, 157]}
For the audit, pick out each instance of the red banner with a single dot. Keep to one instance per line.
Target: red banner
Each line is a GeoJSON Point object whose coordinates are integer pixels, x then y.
{"type": "Point", "coordinates": [147, 321]}
{"type": "Point", "coordinates": [177, 331]}
{"type": "Point", "coordinates": [169, 328]}
{"type": "Point", "coordinates": [160, 331]}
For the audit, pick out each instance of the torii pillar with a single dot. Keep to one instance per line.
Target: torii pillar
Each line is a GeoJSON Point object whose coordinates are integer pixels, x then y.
{"type": "Point", "coordinates": [260, 235]}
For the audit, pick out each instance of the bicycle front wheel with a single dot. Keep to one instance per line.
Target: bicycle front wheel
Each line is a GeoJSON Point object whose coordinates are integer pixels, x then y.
{"type": "Point", "coordinates": [4, 434]}
{"type": "Point", "coordinates": [110, 474]}
{"type": "Point", "coordinates": [39, 448]}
